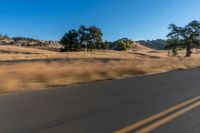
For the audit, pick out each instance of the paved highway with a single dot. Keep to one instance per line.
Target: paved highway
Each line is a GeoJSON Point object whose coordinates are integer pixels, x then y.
{"type": "Point", "coordinates": [163, 103]}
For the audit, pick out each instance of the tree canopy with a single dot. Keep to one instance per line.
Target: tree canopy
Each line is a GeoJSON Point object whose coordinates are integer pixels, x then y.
{"type": "Point", "coordinates": [122, 44]}
{"type": "Point", "coordinates": [71, 41]}
{"type": "Point", "coordinates": [184, 37]}
{"type": "Point", "coordinates": [85, 38]}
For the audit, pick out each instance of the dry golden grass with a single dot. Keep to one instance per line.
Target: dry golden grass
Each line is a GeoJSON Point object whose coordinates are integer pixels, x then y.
{"type": "Point", "coordinates": [37, 75]}
{"type": "Point", "coordinates": [44, 54]}
{"type": "Point", "coordinates": [22, 53]}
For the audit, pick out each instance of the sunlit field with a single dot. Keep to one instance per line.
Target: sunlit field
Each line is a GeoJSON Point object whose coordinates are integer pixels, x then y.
{"type": "Point", "coordinates": [30, 69]}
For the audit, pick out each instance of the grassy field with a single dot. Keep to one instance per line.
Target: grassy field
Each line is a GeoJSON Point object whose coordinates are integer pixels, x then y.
{"type": "Point", "coordinates": [32, 69]}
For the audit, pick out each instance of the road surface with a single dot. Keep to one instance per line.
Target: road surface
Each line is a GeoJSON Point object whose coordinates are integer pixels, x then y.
{"type": "Point", "coordinates": [162, 103]}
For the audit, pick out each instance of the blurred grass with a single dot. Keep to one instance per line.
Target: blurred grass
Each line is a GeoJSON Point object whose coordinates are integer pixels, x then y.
{"type": "Point", "coordinates": [38, 75]}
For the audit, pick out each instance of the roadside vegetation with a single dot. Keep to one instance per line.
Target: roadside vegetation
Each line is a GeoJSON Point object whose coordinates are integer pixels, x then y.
{"type": "Point", "coordinates": [90, 38]}
{"type": "Point", "coordinates": [85, 57]}
{"type": "Point", "coordinates": [187, 37]}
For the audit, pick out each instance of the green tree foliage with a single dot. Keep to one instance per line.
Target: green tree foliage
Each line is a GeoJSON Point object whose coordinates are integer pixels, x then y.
{"type": "Point", "coordinates": [85, 38]}
{"type": "Point", "coordinates": [96, 37]}
{"type": "Point", "coordinates": [71, 41]}
{"type": "Point", "coordinates": [122, 44]}
{"type": "Point", "coordinates": [91, 37]}
{"type": "Point", "coordinates": [107, 45]}
{"type": "Point", "coordinates": [184, 37]}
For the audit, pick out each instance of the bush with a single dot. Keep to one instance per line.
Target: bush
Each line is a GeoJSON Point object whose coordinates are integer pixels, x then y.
{"type": "Point", "coordinates": [122, 44]}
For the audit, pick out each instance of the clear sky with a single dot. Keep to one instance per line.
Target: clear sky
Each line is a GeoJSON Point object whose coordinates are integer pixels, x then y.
{"type": "Point", "coordinates": [135, 19]}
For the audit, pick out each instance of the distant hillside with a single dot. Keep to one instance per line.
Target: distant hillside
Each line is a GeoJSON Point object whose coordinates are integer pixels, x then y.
{"type": "Point", "coordinates": [158, 44]}
{"type": "Point", "coordinates": [56, 46]}
{"type": "Point", "coordinates": [29, 42]}
{"type": "Point", "coordinates": [137, 47]}
{"type": "Point", "coordinates": [127, 44]}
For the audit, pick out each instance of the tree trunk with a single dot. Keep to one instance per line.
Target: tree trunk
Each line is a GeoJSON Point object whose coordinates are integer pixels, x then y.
{"type": "Point", "coordinates": [188, 51]}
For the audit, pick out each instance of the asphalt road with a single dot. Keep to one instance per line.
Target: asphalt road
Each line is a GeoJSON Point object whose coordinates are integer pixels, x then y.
{"type": "Point", "coordinates": [105, 107]}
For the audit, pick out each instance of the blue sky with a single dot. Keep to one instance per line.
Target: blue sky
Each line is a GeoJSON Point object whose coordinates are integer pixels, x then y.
{"type": "Point", "coordinates": [135, 19]}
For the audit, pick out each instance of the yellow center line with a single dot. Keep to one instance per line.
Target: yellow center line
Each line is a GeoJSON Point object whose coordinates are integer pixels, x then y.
{"type": "Point", "coordinates": [168, 119]}
{"type": "Point", "coordinates": [156, 116]}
